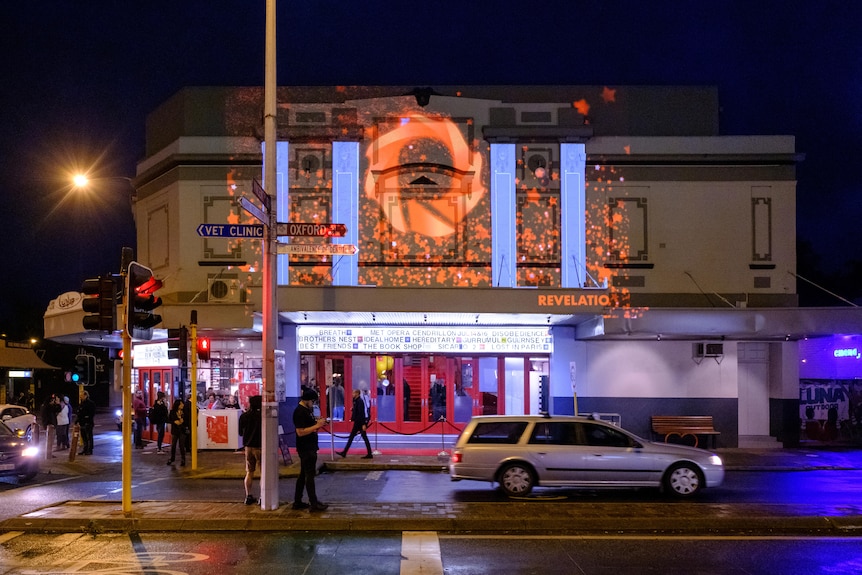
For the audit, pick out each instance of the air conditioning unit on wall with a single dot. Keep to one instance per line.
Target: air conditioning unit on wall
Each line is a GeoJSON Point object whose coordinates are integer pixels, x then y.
{"type": "Point", "coordinates": [224, 290]}
{"type": "Point", "coordinates": [707, 350]}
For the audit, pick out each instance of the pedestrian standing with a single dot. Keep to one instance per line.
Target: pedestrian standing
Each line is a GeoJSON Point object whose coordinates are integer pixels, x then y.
{"type": "Point", "coordinates": [306, 448]}
{"type": "Point", "coordinates": [159, 417]}
{"type": "Point", "coordinates": [64, 416]}
{"type": "Point", "coordinates": [249, 426]}
{"type": "Point", "coordinates": [179, 420]}
{"type": "Point", "coordinates": [86, 419]}
{"type": "Point", "coordinates": [360, 424]}
{"type": "Point", "coordinates": [139, 409]}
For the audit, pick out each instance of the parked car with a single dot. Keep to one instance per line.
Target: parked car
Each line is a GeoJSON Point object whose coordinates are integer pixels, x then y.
{"type": "Point", "coordinates": [17, 417]}
{"type": "Point", "coordinates": [519, 452]}
{"type": "Point", "coordinates": [18, 457]}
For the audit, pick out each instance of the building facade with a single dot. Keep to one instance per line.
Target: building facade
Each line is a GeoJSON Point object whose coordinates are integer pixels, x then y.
{"type": "Point", "coordinates": [498, 250]}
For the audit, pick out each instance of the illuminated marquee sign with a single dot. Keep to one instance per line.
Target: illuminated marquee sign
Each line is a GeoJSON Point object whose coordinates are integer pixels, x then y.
{"type": "Point", "coordinates": [425, 339]}
{"type": "Point", "coordinates": [574, 300]}
{"type": "Point", "coordinates": [152, 355]}
{"type": "Point", "coordinates": [850, 352]}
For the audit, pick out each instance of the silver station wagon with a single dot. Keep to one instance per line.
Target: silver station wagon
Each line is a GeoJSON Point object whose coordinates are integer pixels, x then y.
{"type": "Point", "coordinates": [520, 452]}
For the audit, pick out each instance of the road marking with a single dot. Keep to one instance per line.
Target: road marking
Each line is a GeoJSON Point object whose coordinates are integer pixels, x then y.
{"type": "Point", "coordinates": [807, 537]}
{"type": "Point", "coordinates": [373, 475]}
{"type": "Point", "coordinates": [4, 537]}
{"type": "Point", "coordinates": [420, 553]}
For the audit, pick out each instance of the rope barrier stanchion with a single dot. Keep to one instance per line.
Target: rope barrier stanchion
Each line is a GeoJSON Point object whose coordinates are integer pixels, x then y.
{"type": "Point", "coordinates": [376, 451]}
{"type": "Point", "coordinates": [443, 452]}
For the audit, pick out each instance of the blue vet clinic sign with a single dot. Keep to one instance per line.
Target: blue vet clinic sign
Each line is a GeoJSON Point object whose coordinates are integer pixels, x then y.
{"type": "Point", "coordinates": [230, 230]}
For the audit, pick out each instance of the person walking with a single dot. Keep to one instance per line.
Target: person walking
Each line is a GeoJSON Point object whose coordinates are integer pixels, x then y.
{"type": "Point", "coordinates": [159, 417]}
{"type": "Point", "coordinates": [360, 424]}
{"type": "Point", "coordinates": [306, 448]}
{"type": "Point", "coordinates": [249, 426]}
{"type": "Point", "coordinates": [64, 417]}
{"type": "Point", "coordinates": [86, 420]}
{"type": "Point", "coordinates": [179, 420]}
{"type": "Point", "coordinates": [139, 409]}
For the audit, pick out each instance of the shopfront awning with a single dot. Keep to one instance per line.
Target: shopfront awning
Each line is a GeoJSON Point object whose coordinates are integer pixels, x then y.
{"type": "Point", "coordinates": [20, 358]}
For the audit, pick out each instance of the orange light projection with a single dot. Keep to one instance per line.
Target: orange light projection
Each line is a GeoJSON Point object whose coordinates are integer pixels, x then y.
{"type": "Point", "coordinates": [420, 147]}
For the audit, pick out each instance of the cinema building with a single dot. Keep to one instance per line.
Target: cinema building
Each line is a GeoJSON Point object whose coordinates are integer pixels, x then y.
{"type": "Point", "coordinates": [504, 249]}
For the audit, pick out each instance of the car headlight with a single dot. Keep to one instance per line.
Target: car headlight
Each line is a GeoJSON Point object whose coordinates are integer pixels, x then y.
{"type": "Point", "coordinates": [715, 460]}
{"type": "Point", "coordinates": [119, 413]}
{"type": "Point", "coordinates": [30, 452]}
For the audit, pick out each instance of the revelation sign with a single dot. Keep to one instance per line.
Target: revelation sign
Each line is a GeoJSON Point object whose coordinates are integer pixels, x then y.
{"type": "Point", "coordinates": [425, 339]}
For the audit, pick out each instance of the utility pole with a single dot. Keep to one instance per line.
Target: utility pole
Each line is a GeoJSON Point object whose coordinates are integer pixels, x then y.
{"type": "Point", "coordinates": [269, 419]}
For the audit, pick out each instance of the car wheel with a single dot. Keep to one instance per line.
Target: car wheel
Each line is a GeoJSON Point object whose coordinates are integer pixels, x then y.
{"type": "Point", "coordinates": [516, 479]}
{"type": "Point", "coordinates": [683, 480]}
{"type": "Point", "coordinates": [27, 476]}
{"type": "Point", "coordinates": [28, 435]}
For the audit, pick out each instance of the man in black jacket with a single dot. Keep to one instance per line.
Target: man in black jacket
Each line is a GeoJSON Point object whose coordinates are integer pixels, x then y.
{"type": "Point", "coordinates": [249, 426]}
{"type": "Point", "coordinates": [86, 416]}
{"type": "Point", "coordinates": [360, 424]}
{"type": "Point", "coordinates": [306, 447]}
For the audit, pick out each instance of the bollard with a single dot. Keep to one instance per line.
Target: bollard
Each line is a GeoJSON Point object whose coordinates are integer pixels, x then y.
{"type": "Point", "coordinates": [49, 442]}
{"type": "Point", "coordinates": [73, 449]}
{"type": "Point", "coordinates": [37, 434]}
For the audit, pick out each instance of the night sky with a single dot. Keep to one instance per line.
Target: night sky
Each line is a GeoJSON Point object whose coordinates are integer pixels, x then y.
{"type": "Point", "coordinates": [79, 78]}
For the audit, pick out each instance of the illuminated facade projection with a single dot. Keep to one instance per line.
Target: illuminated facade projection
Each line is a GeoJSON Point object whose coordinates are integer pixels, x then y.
{"type": "Point", "coordinates": [504, 250]}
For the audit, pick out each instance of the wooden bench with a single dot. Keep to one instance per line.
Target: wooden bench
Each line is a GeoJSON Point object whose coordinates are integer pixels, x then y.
{"type": "Point", "coordinates": [682, 425]}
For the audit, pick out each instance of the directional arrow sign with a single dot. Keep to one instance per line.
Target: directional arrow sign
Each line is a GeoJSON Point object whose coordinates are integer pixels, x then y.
{"type": "Point", "coordinates": [316, 230]}
{"type": "Point", "coordinates": [230, 231]}
{"type": "Point", "coordinates": [319, 250]}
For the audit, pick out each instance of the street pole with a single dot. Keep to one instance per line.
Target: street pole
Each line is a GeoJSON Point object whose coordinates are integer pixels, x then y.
{"type": "Point", "coordinates": [269, 307]}
{"type": "Point", "coordinates": [126, 386]}
{"type": "Point", "coordinates": [193, 381]}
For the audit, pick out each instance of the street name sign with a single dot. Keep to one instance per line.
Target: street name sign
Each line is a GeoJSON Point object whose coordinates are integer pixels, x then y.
{"type": "Point", "coordinates": [311, 230]}
{"type": "Point", "coordinates": [230, 230]}
{"type": "Point", "coordinates": [254, 210]}
{"type": "Point", "coordinates": [261, 195]}
{"type": "Point", "coordinates": [317, 250]}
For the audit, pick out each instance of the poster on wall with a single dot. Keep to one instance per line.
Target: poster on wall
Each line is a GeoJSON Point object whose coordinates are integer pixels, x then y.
{"type": "Point", "coordinates": [246, 390]}
{"type": "Point", "coordinates": [840, 397]}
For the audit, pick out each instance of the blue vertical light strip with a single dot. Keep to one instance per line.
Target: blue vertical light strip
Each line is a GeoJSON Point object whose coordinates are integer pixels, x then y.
{"type": "Point", "coordinates": [573, 240]}
{"type": "Point", "coordinates": [345, 209]}
{"type": "Point", "coordinates": [504, 247]}
{"type": "Point", "coordinates": [282, 167]}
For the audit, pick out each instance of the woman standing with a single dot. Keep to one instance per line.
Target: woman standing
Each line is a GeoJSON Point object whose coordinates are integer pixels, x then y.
{"type": "Point", "coordinates": [179, 420]}
{"type": "Point", "coordinates": [64, 416]}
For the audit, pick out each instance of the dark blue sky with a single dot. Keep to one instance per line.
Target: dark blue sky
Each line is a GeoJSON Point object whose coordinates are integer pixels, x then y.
{"type": "Point", "coordinates": [80, 77]}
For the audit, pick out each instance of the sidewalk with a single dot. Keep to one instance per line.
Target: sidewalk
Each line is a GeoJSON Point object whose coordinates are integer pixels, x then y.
{"type": "Point", "coordinates": [537, 514]}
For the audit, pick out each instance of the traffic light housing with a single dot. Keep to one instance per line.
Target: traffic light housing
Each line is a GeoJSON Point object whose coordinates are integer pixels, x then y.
{"type": "Point", "coordinates": [100, 304]}
{"type": "Point", "coordinates": [178, 344]}
{"type": "Point", "coordinates": [203, 348]}
{"type": "Point", "coordinates": [84, 372]}
{"type": "Point", "coordinates": [141, 301]}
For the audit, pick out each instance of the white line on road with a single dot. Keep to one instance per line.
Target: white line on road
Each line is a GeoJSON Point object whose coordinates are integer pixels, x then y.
{"type": "Point", "coordinates": [420, 553]}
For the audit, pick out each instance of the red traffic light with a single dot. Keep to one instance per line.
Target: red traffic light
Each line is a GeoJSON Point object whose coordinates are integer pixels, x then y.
{"type": "Point", "coordinates": [203, 348]}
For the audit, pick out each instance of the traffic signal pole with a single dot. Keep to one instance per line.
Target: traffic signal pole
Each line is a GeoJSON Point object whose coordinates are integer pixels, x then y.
{"type": "Point", "coordinates": [126, 386]}
{"type": "Point", "coordinates": [193, 377]}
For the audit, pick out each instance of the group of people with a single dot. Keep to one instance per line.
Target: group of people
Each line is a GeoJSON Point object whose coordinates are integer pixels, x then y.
{"type": "Point", "coordinates": [307, 446]}
{"type": "Point", "coordinates": [57, 412]}
{"type": "Point", "coordinates": [178, 416]}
